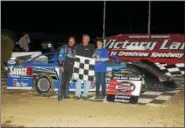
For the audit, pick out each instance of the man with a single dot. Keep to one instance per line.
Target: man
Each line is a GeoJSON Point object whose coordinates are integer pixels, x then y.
{"type": "Point", "coordinates": [66, 58]}
{"type": "Point", "coordinates": [24, 41]}
{"type": "Point", "coordinates": [85, 50]}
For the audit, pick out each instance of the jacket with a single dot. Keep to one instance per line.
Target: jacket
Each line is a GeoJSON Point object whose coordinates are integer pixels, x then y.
{"type": "Point", "coordinates": [64, 53]}
{"type": "Point", "coordinates": [86, 51]}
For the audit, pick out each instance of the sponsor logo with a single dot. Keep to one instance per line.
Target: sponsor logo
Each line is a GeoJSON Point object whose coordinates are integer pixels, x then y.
{"type": "Point", "coordinates": [18, 71]}
{"type": "Point", "coordinates": [108, 77]}
{"type": "Point", "coordinates": [121, 100]}
{"type": "Point", "coordinates": [15, 83]}
{"type": "Point", "coordinates": [19, 84]}
{"type": "Point", "coordinates": [109, 74]}
{"type": "Point", "coordinates": [46, 70]}
{"type": "Point", "coordinates": [125, 87]}
{"type": "Point", "coordinates": [86, 49]}
{"type": "Point", "coordinates": [126, 78]}
{"type": "Point", "coordinates": [122, 96]}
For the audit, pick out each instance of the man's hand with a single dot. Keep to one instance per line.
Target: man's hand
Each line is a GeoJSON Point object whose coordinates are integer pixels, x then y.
{"type": "Point", "coordinates": [97, 59]}
{"type": "Point", "coordinates": [93, 83]}
{"type": "Point", "coordinates": [60, 62]}
{"type": "Point", "coordinates": [62, 69]}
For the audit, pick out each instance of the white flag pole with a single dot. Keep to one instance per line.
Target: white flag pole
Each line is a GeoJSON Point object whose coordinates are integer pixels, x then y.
{"type": "Point", "coordinates": [104, 16]}
{"type": "Point", "coordinates": [149, 16]}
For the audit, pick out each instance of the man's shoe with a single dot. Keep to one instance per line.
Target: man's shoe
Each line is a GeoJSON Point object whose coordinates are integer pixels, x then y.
{"type": "Point", "coordinates": [59, 99]}
{"type": "Point", "coordinates": [77, 98]}
{"type": "Point", "coordinates": [66, 97]}
{"type": "Point", "coordinates": [102, 97]}
{"type": "Point", "coordinates": [96, 97]}
{"type": "Point", "coordinates": [84, 98]}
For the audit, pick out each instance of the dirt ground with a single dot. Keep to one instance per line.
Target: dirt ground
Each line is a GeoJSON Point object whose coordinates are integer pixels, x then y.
{"type": "Point", "coordinates": [28, 109]}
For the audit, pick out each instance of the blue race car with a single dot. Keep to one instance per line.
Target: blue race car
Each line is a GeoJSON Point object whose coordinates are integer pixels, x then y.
{"type": "Point", "coordinates": [43, 74]}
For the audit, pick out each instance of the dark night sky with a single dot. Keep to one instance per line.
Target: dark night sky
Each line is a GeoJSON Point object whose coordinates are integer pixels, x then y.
{"type": "Point", "coordinates": [74, 18]}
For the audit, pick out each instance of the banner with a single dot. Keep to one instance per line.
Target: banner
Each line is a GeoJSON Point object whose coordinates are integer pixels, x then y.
{"type": "Point", "coordinates": [167, 49]}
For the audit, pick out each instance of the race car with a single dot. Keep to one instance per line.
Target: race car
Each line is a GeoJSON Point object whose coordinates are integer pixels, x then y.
{"type": "Point", "coordinates": [41, 73]}
{"type": "Point", "coordinates": [123, 79]}
{"type": "Point", "coordinates": [128, 83]}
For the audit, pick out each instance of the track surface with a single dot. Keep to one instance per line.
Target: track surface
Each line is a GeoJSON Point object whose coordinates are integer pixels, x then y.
{"type": "Point", "coordinates": [20, 108]}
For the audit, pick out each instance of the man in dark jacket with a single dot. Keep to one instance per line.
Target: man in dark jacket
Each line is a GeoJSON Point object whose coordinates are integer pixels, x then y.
{"type": "Point", "coordinates": [66, 58]}
{"type": "Point", "coordinates": [86, 50]}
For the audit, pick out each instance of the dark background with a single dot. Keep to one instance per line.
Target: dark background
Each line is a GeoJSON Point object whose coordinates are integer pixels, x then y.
{"type": "Point", "coordinates": [76, 18]}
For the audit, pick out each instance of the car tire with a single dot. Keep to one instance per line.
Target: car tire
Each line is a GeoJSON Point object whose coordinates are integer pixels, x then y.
{"type": "Point", "coordinates": [44, 85]}
{"type": "Point", "coordinates": [34, 83]}
{"type": "Point", "coordinates": [110, 98]}
{"type": "Point", "coordinates": [133, 99]}
{"type": "Point", "coordinates": [143, 86]}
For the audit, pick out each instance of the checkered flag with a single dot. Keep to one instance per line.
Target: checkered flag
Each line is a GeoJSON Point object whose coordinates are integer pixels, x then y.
{"type": "Point", "coordinates": [84, 68]}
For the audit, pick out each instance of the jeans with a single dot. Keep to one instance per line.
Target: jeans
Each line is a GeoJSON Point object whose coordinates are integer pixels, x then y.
{"type": "Point", "coordinates": [86, 88]}
{"type": "Point", "coordinates": [60, 86]}
{"type": "Point", "coordinates": [66, 92]}
{"type": "Point", "coordinates": [100, 80]}
{"type": "Point", "coordinates": [68, 70]}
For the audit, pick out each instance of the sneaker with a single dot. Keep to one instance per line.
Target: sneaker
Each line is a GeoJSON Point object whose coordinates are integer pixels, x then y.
{"type": "Point", "coordinates": [84, 98]}
{"type": "Point", "coordinates": [66, 97]}
{"type": "Point", "coordinates": [96, 97]}
{"type": "Point", "coordinates": [77, 98]}
{"type": "Point", "coordinates": [102, 97]}
{"type": "Point", "coordinates": [60, 99]}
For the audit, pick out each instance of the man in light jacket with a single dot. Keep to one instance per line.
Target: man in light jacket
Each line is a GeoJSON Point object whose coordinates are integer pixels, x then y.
{"type": "Point", "coordinates": [86, 50]}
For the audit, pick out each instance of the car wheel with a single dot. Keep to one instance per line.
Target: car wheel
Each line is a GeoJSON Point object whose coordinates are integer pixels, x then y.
{"type": "Point", "coordinates": [34, 82]}
{"type": "Point", "coordinates": [44, 85]}
{"type": "Point", "coordinates": [110, 98]}
{"type": "Point", "coordinates": [143, 86]}
{"type": "Point", "coordinates": [133, 99]}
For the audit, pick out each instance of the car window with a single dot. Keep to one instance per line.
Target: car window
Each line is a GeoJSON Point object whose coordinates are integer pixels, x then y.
{"type": "Point", "coordinates": [44, 59]}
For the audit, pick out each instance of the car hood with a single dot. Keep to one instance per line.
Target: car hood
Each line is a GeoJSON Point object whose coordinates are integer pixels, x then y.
{"type": "Point", "coordinates": [115, 66]}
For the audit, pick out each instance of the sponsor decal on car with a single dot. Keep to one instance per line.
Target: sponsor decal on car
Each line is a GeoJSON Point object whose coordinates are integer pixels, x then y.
{"type": "Point", "coordinates": [122, 77]}
{"type": "Point", "coordinates": [17, 71]}
{"type": "Point", "coordinates": [125, 86]}
{"type": "Point", "coordinates": [108, 77]}
{"type": "Point", "coordinates": [122, 97]}
{"type": "Point", "coordinates": [44, 70]}
{"type": "Point", "coordinates": [20, 71]}
{"type": "Point", "coordinates": [121, 100]}
{"type": "Point", "coordinates": [19, 84]}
